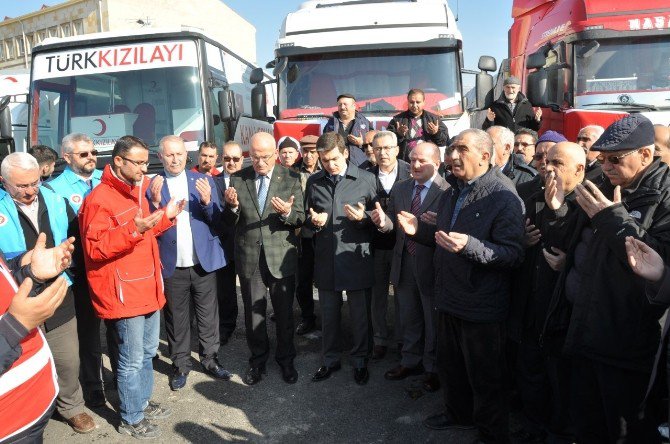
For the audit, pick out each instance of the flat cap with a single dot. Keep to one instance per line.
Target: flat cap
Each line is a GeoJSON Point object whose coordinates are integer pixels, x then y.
{"type": "Point", "coordinates": [308, 141]}
{"type": "Point", "coordinates": [511, 80]}
{"type": "Point", "coordinates": [631, 132]}
{"type": "Point", "coordinates": [288, 142]}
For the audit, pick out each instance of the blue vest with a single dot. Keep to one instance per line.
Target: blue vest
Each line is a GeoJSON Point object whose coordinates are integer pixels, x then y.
{"type": "Point", "coordinates": [12, 240]}
{"type": "Point", "coordinates": [72, 187]}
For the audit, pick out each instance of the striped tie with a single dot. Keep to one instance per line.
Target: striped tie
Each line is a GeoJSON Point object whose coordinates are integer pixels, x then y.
{"type": "Point", "coordinates": [414, 209]}
{"type": "Point", "coordinates": [262, 192]}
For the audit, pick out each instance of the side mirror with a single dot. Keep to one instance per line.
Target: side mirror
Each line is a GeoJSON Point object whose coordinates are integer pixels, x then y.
{"type": "Point", "coordinates": [487, 63]}
{"type": "Point", "coordinates": [483, 90]}
{"type": "Point", "coordinates": [224, 106]}
{"type": "Point", "coordinates": [279, 66]}
{"type": "Point", "coordinates": [5, 119]}
{"type": "Point", "coordinates": [256, 76]}
{"type": "Point", "coordinates": [536, 60]}
{"type": "Point", "coordinates": [536, 88]}
{"type": "Point", "coordinates": [258, 109]}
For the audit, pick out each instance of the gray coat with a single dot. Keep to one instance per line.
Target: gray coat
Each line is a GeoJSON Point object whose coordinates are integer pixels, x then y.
{"type": "Point", "coordinates": [264, 227]}
{"type": "Point", "coordinates": [343, 259]}
{"type": "Point", "coordinates": [401, 200]}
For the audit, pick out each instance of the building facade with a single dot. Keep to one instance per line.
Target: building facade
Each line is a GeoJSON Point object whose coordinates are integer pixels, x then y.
{"type": "Point", "coordinates": [76, 17]}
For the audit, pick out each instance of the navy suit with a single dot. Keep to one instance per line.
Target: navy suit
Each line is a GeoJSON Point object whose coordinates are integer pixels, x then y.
{"type": "Point", "coordinates": [197, 282]}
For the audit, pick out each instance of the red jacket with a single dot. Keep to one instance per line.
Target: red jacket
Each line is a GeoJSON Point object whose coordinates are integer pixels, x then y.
{"type": "Point", "coordinates": [122, 266]}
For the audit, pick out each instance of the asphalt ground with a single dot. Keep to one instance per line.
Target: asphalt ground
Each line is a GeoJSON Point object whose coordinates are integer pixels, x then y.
{"type": "Point", "coordinates": [332, 411]}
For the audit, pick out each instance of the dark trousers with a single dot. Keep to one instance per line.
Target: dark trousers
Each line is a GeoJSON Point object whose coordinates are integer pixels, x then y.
{"type": "Point", "coordinates": [605, 402]}
{"type": "Point", "coordinates": [471, 368]}
{"type": "Point", "coordinates": [380, 297]}
{"type": "Point", "coordinates": [35, 433]}
{"type": "Point", "coordinates": [304, 292]}
{"type": "Point", "coordinates": [186, 284]}
{"type": "Point", "coordinates": [90, 347]}
{"type": "Point", "coordinates": [227, 296]}
{"type": "Point", "coordinates": [254, 290]}
{"type": "Point", "coordinates": [331, 325]}
{"type": "Point", "coordinates": [543, 381]}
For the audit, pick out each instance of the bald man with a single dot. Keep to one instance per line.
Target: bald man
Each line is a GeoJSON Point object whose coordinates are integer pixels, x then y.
{"type": "Point", "coordinates": [662, 142]}
{"type": "Point", "coordinates": [265, 203]}
{"type": "Point", "coordinates": [542, 374]}
{"type": "Point", "coordinates": [586, 137]}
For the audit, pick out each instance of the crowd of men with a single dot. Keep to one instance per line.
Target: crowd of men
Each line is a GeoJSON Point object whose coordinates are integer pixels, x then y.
{"type": "Point", "coordinates": [528, 271]}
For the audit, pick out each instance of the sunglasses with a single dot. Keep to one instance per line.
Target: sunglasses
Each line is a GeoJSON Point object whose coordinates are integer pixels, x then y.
{"type": "Point", "coordinates": [523, 144]}
{"type": "Point", "coordinates": [366, 145]}
{"type": "Point", "coordinates": [85, 154]}
{"type": "Point", "coordinates": [234, 159]}
{"type": "Point", "coordinates": [614, 160]}
{"type": "Point", "coordinates": [583, 139]}
{"type": "Point", "coordinates": [539, 156]}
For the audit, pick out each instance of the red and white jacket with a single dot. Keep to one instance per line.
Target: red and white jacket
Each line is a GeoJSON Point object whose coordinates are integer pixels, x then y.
{"type": "Point", "coordinates": [29, 386]}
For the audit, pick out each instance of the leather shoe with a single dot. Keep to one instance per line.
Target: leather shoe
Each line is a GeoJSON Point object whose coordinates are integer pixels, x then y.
{"type": "Point", "coordinates": [431, 383]}
{"type": "Point", "coordinates": [178, 380]}
{"type": "Point", "coordinates": [324, 372]}
{"type": "Point", "coordinates": [95, 398]}
{"type": "Point", "coordinates": [219, 372]}
{"type": "Point", "coordinates": [399, 372]}
{"type": "Point", "coordinates": [305, 327]}
{"type": "Point", "coordinates": [81, 423]}
{"type": "Point", "coordinates": [289, 374]}
{"type": "Point", "coordinates": [443, 422]}
{"type": "Point", "coordinates": [253, 375]}
{"type": "Point", "coordinates": [378, 352]}
{"type": "Point", "coordinates": [361, 375]}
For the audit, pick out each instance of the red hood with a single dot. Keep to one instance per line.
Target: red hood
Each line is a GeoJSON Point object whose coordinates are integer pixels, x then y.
{"type": "Point", "coordinates": [133, 191]}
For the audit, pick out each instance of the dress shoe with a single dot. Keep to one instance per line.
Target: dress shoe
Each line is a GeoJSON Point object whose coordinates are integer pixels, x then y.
{"type": "Point", "coordinates": [305, 327]}
{"type": "Point", "coordinates": [253, 375]}
{"type": "Point", "coordinates": [361, 375]}
{"type": "Point", "coordinates": [178, 380]}
{"type": "Point", "coordinates": [431, 383]}
{"type": "Point", "coordinates": [324, 372]}
{"type": "Point", "coordinates": [81, 423]}
{"type": "Point", "coordinates": [378, 352]}
{"type": "Point", "coordinates": [289, 374]}
{"type": "Point", "coordinates": [443, 422]}
{"type": "Point", "coordinates": [400, 372]}
{"type": "Point", "coordinates": [95, 398]}
{"type": "Point", "coordinates": [218, 372]}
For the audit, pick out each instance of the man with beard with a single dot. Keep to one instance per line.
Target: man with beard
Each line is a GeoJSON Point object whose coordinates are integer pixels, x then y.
{"type": "Point", "coordinates": [416, 125]}
{"type": "Point", "coordinates": [512, 110]}
{"type": "Point", "coordinates": [206, 160]}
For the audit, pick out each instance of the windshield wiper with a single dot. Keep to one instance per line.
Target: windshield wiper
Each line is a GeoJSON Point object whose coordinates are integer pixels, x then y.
{"type": "Point", "coordinates": [624, 105]}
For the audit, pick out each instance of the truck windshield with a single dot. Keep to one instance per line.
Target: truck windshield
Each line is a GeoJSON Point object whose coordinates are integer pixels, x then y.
{"type": "Point", "coordinates": [112, 102]}
{"type": "Point", "coordinates": [378, 79]}
{"type": "Point", "coordinates": [626, 65]}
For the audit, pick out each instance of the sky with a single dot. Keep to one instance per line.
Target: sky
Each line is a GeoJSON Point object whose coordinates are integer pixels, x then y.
{"type": "Point", "coordinates": [483, 34]}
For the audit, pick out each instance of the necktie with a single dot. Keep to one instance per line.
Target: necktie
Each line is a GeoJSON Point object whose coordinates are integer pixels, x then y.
{"type": "Point", "coordinates": [89, 184]}
{"type": "Point", "coordinates": [262, 192]}
{"type": "Point", "coordinates": [414, 209]}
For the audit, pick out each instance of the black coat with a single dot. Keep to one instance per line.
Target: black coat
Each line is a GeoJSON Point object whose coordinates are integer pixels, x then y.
{"type": "Point", "coordinates": [475, 284]}
{"type": "Point", "coordinates": [523, 117]}
{"type": "Point", "coordinates": [342, 250]}
{"type": "Point", "coordinates": [404, 118]}
{"type": "Point", "coordinates": [518, 172]}
{"type": "Point", "coordinates": [611, 320]}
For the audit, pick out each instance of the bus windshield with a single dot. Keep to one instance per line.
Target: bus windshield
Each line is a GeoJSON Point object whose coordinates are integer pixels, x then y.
{"type": "Point", "coordinates": [378, 79]}
{"type": "Point", "coordinates": [107, 103]}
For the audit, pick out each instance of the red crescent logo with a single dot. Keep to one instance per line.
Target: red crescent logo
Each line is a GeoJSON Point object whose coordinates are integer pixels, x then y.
{"type": "Point", "coordinates": [3, 220]}
{"type": "Point", "coordinates": [103, 127]}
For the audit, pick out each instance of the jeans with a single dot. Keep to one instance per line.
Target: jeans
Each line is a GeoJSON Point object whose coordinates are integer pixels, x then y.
{"type": "Point", "coordinates": [138, 341]}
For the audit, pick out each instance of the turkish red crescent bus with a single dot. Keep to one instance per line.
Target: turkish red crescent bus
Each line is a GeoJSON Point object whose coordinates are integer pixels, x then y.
{"type": "Point", "coordinates": [592, 61]}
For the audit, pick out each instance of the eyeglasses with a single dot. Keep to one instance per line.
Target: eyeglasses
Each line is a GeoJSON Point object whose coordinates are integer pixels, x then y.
{"type": "Point", "coordinates": [229, 158]}
{"type": "Point", "coordinates": [523, 144]}
{"type": "Point", "coordinates": [24, 187]}
{"type": "Point", "coordinates": [614, 160]}
{"type": "Point", "coordinates": [85, 154]}
{"type": "Point", "coordinates": [539, 156]}
{"type": "Point", "coordinates": [139, 163]}
{"type": "Point", "coordinates": [265, 159]}
{"type": "Point", "coordinates": [366, 145]}
{"type": "Point", "coordinates": [386, 149]}
{"type": "Point", "coordinates": [583, 139]}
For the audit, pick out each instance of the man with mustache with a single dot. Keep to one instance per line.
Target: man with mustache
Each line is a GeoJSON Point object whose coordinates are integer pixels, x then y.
{"type": "Point", "coordinates": [207, 156]}
{"type": "Point", "coordinates": [512, 109]}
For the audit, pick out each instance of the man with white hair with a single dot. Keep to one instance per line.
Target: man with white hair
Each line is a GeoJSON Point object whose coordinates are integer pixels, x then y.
{"type": "Point", "coordinates": [512, 109]}
{"type": "Point", "coordinates": [586, 137]}
{"type": "Point", "coordinates": [191, 253]}
{"type": "Point", "coordinates": [27, 209]}
{"type": "Point", "coordinates": [503, 157]}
